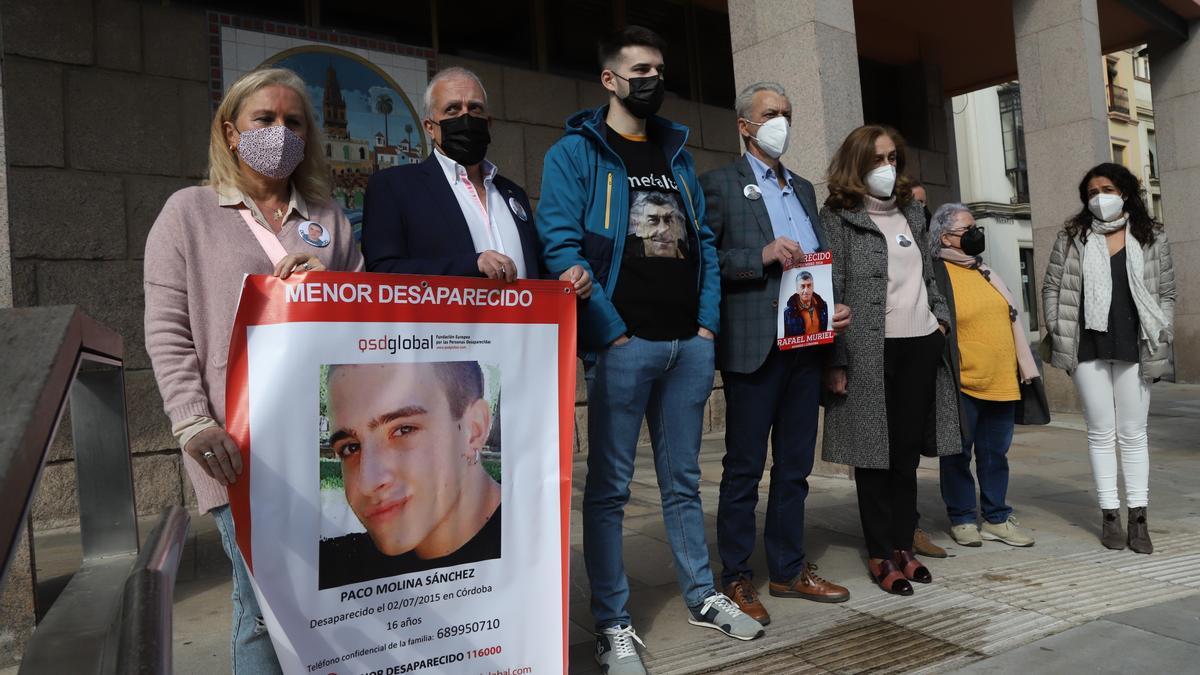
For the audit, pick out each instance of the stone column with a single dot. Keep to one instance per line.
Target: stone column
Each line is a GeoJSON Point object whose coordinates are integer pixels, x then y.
{"type": "Point", "coordinates": [6, 286]}
{"type": "Point", "coordinates": [809, 48]}
{"type": "Point", "coordinates": [1175, 73]}
{"type": "Point", "coordinates": [1066, 123]}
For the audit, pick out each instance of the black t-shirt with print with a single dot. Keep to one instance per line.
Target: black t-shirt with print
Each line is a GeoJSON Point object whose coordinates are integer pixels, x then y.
{"type": "Point", "coordinates": [657, 291]}
{"type": "Point", "coordinates": [353, 558]}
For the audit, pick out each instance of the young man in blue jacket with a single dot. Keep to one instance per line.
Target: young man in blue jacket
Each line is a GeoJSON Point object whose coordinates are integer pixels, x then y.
{"type": "Point", "coordinates": [620, 196]}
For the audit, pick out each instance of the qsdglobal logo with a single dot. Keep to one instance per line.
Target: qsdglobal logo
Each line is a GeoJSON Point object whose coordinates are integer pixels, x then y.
{"type": "Point", "coordinates": [394, 343]}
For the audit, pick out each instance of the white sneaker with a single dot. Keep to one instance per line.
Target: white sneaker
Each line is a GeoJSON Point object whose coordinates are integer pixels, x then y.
{"type": "Point", "coordinates": [1007, 532]}
{"type": "Point", "coordinates": [616, 653]}
{"type": "Point", "coordinates": [966, 535]}
{"type": "Point", "coordinates": [721, 613]}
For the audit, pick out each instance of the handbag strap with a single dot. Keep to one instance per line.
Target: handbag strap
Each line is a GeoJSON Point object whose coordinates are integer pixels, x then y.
{"type": "Point", "coordinates": [267, 240]}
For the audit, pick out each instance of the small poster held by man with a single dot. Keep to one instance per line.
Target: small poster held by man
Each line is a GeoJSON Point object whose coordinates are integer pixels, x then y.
{"type": "Point", "coordinates": [806, 302]}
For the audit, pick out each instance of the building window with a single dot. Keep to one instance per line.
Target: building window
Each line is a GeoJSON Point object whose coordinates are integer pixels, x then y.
{"type": "Point", "coordinates": [1012, 129]}
{"type": "Point", "coordinates": [1156, 204]}
{"type": "Point", "coordinates": [1141, 64]}
{"type": "Point", "coordinates": [1031, 310]}
{"type": "Point", "coordinates": [1118, 153]}
{"type": "Point", "coordinates": [497, 32]}
{"type": "Point", "coordinates": [1152, 149]}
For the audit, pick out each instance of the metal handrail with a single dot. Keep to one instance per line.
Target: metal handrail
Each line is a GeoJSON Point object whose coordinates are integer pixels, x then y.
{"type": "Point", "coordinates": [118, 598]}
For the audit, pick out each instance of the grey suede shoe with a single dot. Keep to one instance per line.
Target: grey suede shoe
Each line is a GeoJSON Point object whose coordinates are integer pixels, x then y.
{"type": "Point", "coordinates": [1139, 531]}
{"type": "Point", "coordinates": [1111, 535]}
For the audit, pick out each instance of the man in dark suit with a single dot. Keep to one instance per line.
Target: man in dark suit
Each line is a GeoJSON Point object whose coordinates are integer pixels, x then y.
{"type": "Point", "coordinates": [764, 217]}
{"type": "Point", "coordinates": [454, 214]}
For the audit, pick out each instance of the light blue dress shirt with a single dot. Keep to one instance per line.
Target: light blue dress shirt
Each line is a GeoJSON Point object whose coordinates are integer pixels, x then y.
{"type": "Point", "coordinates": [788, 218]}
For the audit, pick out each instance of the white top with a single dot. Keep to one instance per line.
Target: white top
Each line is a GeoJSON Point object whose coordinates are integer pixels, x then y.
{"type": "Point", "coordinates": [490, 220]}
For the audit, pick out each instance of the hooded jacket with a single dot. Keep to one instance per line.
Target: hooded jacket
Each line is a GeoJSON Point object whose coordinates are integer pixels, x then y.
{"type": "Point", "coordinates": [583, 216]}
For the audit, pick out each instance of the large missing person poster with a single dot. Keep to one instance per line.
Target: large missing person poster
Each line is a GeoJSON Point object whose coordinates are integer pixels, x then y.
{"type": "Point", "coordinates": [806, 303]}
{"type": "Point", "coordinates": [407, 440]}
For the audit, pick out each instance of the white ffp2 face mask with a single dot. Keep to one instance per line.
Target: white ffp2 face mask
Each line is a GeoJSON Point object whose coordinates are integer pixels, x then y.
{"type": "Point", "coordinates": [1106, 207]}
{"type": "Point", "coordinates": [882, 181]}
{"type": "Point", "coordinates": [772, 136]}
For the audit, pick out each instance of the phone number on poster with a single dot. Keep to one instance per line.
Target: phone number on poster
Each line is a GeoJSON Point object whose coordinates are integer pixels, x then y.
{"type": "Point", "coordinates": [468, 628]}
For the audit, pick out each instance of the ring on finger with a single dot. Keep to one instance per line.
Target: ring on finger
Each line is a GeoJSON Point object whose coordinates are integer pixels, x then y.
{"type": "Point", "coordinates": [208, 454]}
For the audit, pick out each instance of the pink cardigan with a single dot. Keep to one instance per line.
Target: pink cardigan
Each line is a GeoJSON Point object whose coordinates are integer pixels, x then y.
{"type": "Point", "coordinates": [196, 255]}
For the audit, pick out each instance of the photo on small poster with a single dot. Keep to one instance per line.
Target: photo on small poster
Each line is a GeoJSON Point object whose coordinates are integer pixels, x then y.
{"type": "Point", "coordinates": [409, 468]}
{"type": "Point", "coordinates": [806, 303]}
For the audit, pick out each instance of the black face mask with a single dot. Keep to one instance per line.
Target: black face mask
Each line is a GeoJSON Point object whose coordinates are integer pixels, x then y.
{"type": "Point", "coordinates": [972, 241]}
{"type": "Point", "coordinates": [645, 95]}
{"type": "Point", "coordinates": [465, 139]}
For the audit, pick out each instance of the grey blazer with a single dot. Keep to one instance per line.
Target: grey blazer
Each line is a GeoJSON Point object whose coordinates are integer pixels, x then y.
{"type": "Point", "coordinates": [749, 293]}
{"type": "Point", "coordinates": [856, 429]}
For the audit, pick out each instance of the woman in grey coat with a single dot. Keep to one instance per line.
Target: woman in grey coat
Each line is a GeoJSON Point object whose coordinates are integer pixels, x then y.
{"type": "Point", "coordinates": [892, 395]}
{"type": "Point", "coordinates": [1109, 302]}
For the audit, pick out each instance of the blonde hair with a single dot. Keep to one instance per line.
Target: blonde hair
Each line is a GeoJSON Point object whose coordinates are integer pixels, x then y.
{"type": "Point", "coordinates": [312, 179]}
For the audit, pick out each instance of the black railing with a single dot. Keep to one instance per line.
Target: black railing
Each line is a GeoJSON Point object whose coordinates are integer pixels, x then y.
{"type": "Point", "coordinates": [118, 598]}
{"type": "Point", "coordinates": [1118, 99]}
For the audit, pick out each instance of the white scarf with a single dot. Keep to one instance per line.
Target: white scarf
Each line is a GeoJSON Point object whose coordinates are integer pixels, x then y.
{"type": "Point", "coordinates": [1097, 283]}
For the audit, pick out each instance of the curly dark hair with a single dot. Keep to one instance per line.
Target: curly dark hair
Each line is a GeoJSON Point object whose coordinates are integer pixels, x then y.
{"type": "Point", "coordinates": [1141, 224]}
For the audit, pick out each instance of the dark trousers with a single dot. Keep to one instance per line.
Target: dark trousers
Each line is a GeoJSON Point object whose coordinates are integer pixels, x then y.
{"type": "Point", "coordinates": [780, 401]}
{"type": "Point", "coordinates": [887, 498]}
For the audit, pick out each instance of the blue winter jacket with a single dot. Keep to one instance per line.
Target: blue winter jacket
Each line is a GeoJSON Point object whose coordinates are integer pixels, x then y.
{"type": "Point", "coordinates": [583, 214]}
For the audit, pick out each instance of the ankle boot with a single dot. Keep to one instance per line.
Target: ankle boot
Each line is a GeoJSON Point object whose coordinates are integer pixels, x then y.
{"type": "Point", "coordinates": [1139, 531]}
{"type": "Point", "coordinates": [1111, 535]}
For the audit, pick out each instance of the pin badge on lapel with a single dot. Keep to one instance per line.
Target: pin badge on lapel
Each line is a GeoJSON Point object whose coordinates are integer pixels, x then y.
{"type": "Point", "coordinates": [752, 192]}
{"type": "Point", "coordinates": [517, 208]}
{"type": "Point", "coordinates": [903, 240]}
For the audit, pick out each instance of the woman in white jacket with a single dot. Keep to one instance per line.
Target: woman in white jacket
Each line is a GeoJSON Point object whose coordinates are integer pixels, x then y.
{"type": "Point", "coordinates": [1109, 301]}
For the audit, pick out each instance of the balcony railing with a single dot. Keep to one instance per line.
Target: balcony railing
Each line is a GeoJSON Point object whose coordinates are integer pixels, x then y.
{"type": "Point", "coordinates": [1118, 99]}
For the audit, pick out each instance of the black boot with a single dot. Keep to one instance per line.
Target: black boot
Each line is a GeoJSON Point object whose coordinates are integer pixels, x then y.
{"type": "Point", "coordinates": [1139, 531]}
{"type": "Point", "coordinates": [1111, 535]}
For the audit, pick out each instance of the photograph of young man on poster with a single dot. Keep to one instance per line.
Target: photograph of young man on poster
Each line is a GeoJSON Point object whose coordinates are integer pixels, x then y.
{"type": "Point", "coordinates": [806, 312]}
{"type": "Point", "coordinates": [410, 438]}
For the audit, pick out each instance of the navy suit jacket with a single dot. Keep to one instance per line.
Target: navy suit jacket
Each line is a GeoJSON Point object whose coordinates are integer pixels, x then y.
{"type": "Point", "coordinates": [412, 224]}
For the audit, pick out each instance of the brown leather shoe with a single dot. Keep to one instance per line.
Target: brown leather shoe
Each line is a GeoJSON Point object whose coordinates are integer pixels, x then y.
{"type": "Point", "coordinates": [810, 587]}
{"type": "Point", "coordinates": [923, 545]}
{"type": "Point", "coordinates": [742, 591]}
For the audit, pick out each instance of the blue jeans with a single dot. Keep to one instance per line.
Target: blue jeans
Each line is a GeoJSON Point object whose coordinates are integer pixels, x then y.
{"type": "Point", "coordinates": [250, 646]}
{"type": "Point", "coordinates": [779, 400]}
{"type": "Point", "coordinates": [668, 383]}
{"type": "Point", "coordinates": [989, 431]}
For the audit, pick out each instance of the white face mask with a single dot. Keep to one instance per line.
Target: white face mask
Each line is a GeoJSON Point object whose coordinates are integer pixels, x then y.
{"type": "Point", "coordinates": [772, 136]}
{"type": "Point", "coordinates": [881, 181]}
{"type": "Point", "coordinates": [1106, 207]}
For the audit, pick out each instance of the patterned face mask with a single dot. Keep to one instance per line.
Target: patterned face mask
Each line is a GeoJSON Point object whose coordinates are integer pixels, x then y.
{"type": "Point", "coordinates": [275, 152]}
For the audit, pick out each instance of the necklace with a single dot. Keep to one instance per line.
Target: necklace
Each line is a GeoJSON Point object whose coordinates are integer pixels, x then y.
{"type": "Point", "coordinates": [278, 214]}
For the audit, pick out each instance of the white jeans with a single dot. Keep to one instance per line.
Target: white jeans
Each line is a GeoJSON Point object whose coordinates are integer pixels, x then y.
{"type": "Point", "coordinates": [1116, 401]}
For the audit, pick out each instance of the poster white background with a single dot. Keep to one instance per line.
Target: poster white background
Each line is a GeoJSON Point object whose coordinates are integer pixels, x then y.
{"type": "Point", "coordinates": [526, 582]}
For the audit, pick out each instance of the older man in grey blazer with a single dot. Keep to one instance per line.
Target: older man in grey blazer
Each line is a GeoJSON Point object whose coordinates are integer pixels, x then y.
{"type": "Point", "coordinates": [764, 217]}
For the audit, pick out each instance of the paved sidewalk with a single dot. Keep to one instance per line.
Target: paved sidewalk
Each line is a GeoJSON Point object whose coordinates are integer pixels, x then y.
{"type": "Point", "coordinates": [1066, 605]}
{"type": "Point", "coordinates": [990, 609]}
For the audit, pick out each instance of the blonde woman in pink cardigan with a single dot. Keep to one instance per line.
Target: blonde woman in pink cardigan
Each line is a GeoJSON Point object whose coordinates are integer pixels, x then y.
{"type": "Point", "coordinates": [265, 209]}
